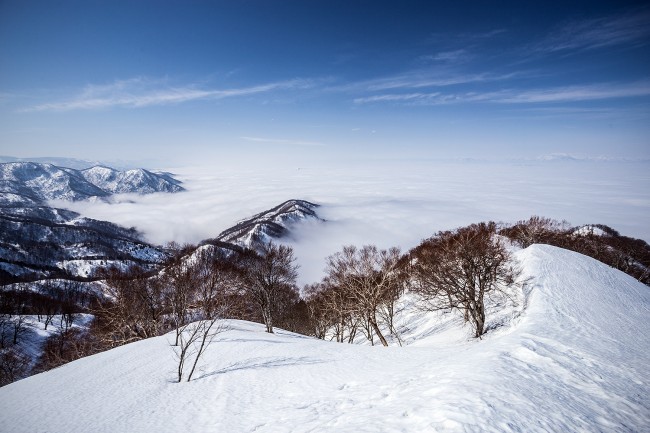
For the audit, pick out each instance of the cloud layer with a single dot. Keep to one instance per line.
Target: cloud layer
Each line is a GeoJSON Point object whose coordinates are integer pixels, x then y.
{"type": "Point", "coordinates": [388, 204]}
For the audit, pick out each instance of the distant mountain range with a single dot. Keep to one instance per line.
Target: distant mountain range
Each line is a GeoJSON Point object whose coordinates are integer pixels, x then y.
{"type": "Point", "coordinates": [30, 183]}
{"type": "Point", "coordinates": [38, 241]}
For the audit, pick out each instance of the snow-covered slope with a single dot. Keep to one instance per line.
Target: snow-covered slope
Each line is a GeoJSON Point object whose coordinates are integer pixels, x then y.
{"type": "Point", "coordinates": [575, 359]}
{"type": "Point", "coordinates": [41, 182]}
{"type": "Point", "coordinates": [38, 241]}
{"type": "Point", "coordinates": [138, 180]}
{"type": "Point", "coordinates": [274, 223]}
{"type": "Point", "coordinates": [37, 182]}
{"type": "Point", "coordinates": [31, 240]}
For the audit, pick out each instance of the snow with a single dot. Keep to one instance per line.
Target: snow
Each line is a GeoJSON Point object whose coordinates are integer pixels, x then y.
{"type": "Point", "coordinates": [589, 230]}
{"type": "Point", "coordinates": [31, 182]}
{"type": "Point", "coordinates": [572, 356]}
{"type": "Point", "coordinates": [34, 334]}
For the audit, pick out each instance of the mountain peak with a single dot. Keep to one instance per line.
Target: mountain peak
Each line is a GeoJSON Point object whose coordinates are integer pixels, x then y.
{"type": "Point", "coordinates": [271, 224]}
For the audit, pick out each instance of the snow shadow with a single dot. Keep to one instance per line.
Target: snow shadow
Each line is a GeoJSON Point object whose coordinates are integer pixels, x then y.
{"type": "Point", "coordinates": [259, 363]}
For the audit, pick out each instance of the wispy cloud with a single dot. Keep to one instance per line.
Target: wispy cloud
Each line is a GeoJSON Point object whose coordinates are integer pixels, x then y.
{"type": "Point", "coordinates": [421, 79]}
{"type": "Point", "coordinates": [630, 28]}
{"type": "Point", "coordinates": [142, 92]}
{"type": "Point", "coordinates": [395, 97]}
{"type": "Point", "coordinates": [453, 56]}
{"type": "Point", "coordinates": [579, 93]}
{"type": "Point", "coordinates": [509, 96]}
{"type": "Point", "coordinates": [464, 38]}
{"type": "Point", "coordinates": [282, 141]}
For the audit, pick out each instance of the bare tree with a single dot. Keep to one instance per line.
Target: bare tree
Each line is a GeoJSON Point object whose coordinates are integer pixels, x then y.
{"type": "Point", "coordinates": [269, 278]}
{"type": "Point", "coordinates": [6, 325]}
{"type": "Point", "coordinates": [179, 280]}
{"type": "Point", "coordinates": [135, 310]}
{"type": "Point", "coordinates": [215, 278]}
{"type": "Point", "coordinates": [65, 346]}
{"type": "Point", "coordinates": [14, 365]}
{"type": "Point", "coordinates": [458, 269]}
{"type": "Point", "coordinates": [19, 327]}
{"type": "Point", "coordinates": [535, 230]}
{"type": "Point", "coordinates": [332, 312]}
{"type": "Point", "coordinates": [369, 277]}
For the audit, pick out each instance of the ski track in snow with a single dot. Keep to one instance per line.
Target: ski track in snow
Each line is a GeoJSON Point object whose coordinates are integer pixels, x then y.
{"type": "Point", "coordinates": [575, 359]}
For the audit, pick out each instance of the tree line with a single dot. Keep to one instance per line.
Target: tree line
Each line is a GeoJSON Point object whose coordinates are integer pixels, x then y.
{"type": "Point", "coordinates": [357, 297]}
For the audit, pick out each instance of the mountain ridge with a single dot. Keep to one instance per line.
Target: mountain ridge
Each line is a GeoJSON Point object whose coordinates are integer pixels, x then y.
{"type": "Point", "coordinates": [31, 183]}
{"type": "Point", "coordinates": [274, 223]}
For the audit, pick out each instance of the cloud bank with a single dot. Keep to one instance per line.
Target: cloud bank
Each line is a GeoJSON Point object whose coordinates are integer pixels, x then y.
{"type": "Point", "coordinates": [388, 203]}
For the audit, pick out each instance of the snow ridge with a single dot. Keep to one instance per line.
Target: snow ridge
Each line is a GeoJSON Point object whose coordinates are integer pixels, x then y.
{"type": "Point", "coordinates": [574, 360]}
{"type": "Point", "coordinates": [274, 223]}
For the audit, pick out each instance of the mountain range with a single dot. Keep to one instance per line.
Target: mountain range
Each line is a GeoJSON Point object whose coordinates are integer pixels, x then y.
{"type": "Point", "coordinates": [30, 183]}
{"type": "Point", "coordinates": [39, 241]}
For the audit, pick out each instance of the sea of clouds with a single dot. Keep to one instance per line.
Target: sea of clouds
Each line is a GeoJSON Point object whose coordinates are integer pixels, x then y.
{"type": "Point", "coordinates": [387, 203]}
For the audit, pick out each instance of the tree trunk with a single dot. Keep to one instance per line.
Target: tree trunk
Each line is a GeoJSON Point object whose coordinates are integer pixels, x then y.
{"type": "Point", "coordinates": [268, 320]}
{"type": "Point", "coordinates": [373, 322]}
{"type": "Point", "coordinates": [479, 321]}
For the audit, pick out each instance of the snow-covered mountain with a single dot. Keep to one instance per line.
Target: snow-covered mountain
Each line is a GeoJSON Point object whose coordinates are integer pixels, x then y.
{"type": "Point", "coordinates": [37, 183]}
{"type": "Point", "coordinates": [29, 183]}
{"type": "Point", "coordinates": [44, 242]}
{"type": "Point", "coordinates": [138, 180]}
{"type": "Point", "coordinates": [571, 357]}
{"type": "Point", "coordinates": [37, 241]}
{"type": "Point", "coordinates": [274, 223]}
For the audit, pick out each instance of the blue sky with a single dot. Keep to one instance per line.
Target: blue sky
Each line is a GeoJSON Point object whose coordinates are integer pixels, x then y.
{"type": "Point", "coordinates": [196, 81]}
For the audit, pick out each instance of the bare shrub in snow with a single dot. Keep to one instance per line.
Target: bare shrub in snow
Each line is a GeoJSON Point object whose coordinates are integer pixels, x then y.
{"type": "Point", "coordinates": [331, 312]}
{"type": "Point", "coordinates": [65, 345]}
{"type": "Point", "coordinates": [368, 279]}
{"type": "Point", "coordinates": [535, 230]}
{"type": "Point", "coordinates": [14, 365]}
{"type": "Point", "coordinates": [269, 279]}
{"type": "Point", "coordinates": [135, 309]}
{"type": "Point", "coordinates": [194, 339]}
{"type": "Point", "coordinates": [460, 268]}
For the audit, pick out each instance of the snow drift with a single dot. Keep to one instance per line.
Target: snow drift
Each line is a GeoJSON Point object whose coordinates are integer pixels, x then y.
{"type": "Point", "coordinates": [574, 359]}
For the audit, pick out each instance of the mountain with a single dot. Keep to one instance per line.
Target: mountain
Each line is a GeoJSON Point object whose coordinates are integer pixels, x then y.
{"type": "Point", "coordinates": [138, 180]}
{"type": "Point", "coordinates": [37, 183]}
{"type": "Point", "coordinates": [29, 183]}
{"type": "Point", "coordinates": [274, 223]}
{"type": "Point", "coordinates": [571, 356]}
{"type": "Point", "coordinates": [44, 242]}
{"type": "Point", "coordinates": [37, 241]}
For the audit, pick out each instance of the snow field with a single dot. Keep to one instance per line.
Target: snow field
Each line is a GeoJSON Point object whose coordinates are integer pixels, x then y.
{"type": "Point", "coordinates": [572, 357]}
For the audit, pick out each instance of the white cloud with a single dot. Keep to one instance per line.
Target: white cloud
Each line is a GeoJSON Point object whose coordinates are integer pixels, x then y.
{"type": "Point", "coordinates": [578, 93]}
{"type": "Point", "coordinates": [421, 80]}
{"type": "Point", "coordinates": [632, 28]}
{"type": "Point", "coordinates": [395, 97]}
{"type": "Point", "coordinates": [511, 96]}
{"type": "Point", "coordinates": [141, 92]}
